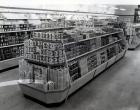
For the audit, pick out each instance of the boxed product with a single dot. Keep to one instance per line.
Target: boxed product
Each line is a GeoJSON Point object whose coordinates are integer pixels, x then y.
{"type": "Point", "coordinates": [92, 61]}
{"type": "Point", "coordinates": [103, 55]}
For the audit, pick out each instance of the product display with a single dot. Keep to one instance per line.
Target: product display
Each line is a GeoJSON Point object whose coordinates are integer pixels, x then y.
{"type": "Point", "coordinates": [60, 59]}
{"type": "Point", "coordinates": [56, 49]}
{"type": "Point", "coordinates": [133, 35]}
{"type": "Point", "coordinates": [45, 48]}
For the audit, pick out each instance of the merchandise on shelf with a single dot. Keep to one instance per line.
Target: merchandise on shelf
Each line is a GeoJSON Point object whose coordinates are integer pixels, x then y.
{"type": "Point", "coordinates": [102, 56]}
{"type": "Point", "coordinates": [57, 23]}
{"type": "Point", "coordinates": [11, 52]}
{"type": "Point", "coordinates": [111, 52]}
{"type": "Point", "coordinates": [11, 39]}
{"type": "Point", "coordinates": [45, 48]}
{"type": "Point", "coordinates": [15, 27]}
{"type": "Point", "coordinates": [92, 61]}
{"type": "Point", "coordinates": [74, 70]}
{"type": "Point", "coordinates": [59, 59]}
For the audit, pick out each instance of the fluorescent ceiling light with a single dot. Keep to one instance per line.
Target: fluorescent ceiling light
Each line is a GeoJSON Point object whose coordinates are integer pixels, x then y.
{"type": "Point", "coordinates": [122, 9]}
{"type": "Point", "coordinates": [115, 8]}
{"type": "Point", "coordinates": [45, 3]}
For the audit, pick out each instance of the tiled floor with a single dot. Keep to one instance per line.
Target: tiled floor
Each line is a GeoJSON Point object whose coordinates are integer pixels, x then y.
{"type": "Point", "coordinates": [118, 88]}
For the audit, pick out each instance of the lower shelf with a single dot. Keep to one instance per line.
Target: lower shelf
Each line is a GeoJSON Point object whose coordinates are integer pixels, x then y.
{"type": "Point", "coordinates": [59, 96]}
{"type": "Point", "coordinates": [5, 64]}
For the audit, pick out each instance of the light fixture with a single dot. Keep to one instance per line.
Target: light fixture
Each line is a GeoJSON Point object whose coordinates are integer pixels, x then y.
{"type": "Point", "coordinates": [122, 9]}
{"type": "Point", "coordinates": [115, 8]}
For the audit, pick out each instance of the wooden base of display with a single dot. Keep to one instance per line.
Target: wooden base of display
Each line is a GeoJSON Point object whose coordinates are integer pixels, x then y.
{"type": "Point", "coordinates": [59, 96]}
{"type": "Point", "coordinates": [9, 63]}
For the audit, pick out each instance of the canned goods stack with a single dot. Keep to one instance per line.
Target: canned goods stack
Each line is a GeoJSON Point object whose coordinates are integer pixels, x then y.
{"type": "Point", "coordinates": [45, 48]}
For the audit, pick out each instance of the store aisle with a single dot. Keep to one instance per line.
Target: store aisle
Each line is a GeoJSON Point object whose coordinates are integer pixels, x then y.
{"type": "Point", "coordinates": [118, 88]}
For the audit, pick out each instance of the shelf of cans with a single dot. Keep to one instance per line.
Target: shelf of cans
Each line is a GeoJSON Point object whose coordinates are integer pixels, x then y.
{"type": "Point", "coordinates": [15, 27]}
{"type": "Point", "coordinates": [47, 24]}
{"type": "Point", "coordinates": [11, 45]}
{"type": "Point", "coordinates": [12, 36]}
{"type": "Point", "coordinates": [56, 59]}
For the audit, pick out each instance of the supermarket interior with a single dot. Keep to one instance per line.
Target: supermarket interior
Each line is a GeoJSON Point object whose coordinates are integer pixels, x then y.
{"type": "Point", "coordinates": [69, 55]}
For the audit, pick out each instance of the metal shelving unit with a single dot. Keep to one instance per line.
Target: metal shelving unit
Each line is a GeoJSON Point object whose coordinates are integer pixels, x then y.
{"type": "Point", "coordinates": [37, 30]}
{"type": "Point", "coordinates": [57, 96]}
{"type": "Point", "coordinates": [5, 64]}
{"type": "Point", "coordinates": [93, 50]}
{"type": "Point", "coordinates": [104, 35]}
{"type": "Point", "coordinates": [15, 61]}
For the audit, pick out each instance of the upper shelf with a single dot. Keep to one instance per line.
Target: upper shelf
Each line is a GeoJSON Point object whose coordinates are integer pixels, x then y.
{"type": "Point", "coordinates": [12, 45]}
{"type": "Point", "coordinates": [104, 35]}
{"type": "Point", "coordinates": [79, 56]}
{"type": "Point", "coordinates": [44, 29]}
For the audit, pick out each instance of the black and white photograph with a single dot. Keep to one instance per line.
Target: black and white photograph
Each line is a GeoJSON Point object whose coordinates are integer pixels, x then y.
{"type": "Point", "coordinates": [69, 55]}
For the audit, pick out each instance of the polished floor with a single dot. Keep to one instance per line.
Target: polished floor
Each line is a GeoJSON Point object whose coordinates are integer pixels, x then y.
{"type": "Point", "coordinates": [117, 88]}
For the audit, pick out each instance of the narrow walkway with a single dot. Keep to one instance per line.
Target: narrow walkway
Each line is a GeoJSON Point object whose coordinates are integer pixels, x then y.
{"type": "Point", "coordinates": [118, 88]}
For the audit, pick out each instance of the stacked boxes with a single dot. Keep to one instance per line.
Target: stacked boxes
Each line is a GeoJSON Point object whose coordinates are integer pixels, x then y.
{"type": "Point", "coordinates": [111, 51]}
{"type": "Point", "coordinates": [74, 70]}
{"type": "Point", "coordinates": [104, 41]}
{"type": "Point", "coordinates": [76, 49]}
{"type": "Point", "coordinates": [45, 48]}
{"type": "Point", "coordinates": [92, 61]}
{"type": "Point", "coordinates": [102, 56]}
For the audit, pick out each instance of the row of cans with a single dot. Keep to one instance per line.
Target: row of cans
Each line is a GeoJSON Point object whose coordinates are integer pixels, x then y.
{"type": "Point", "coordinates": [52, 24]}
{"type": "Point", "coordinates": [46, 52]}
{"type": "Point", "coordinates": [44, 44]}
{"type": "Point", "coordinates": [48, 35]}
{"type": "Point", "coordinates": [45, 59]}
